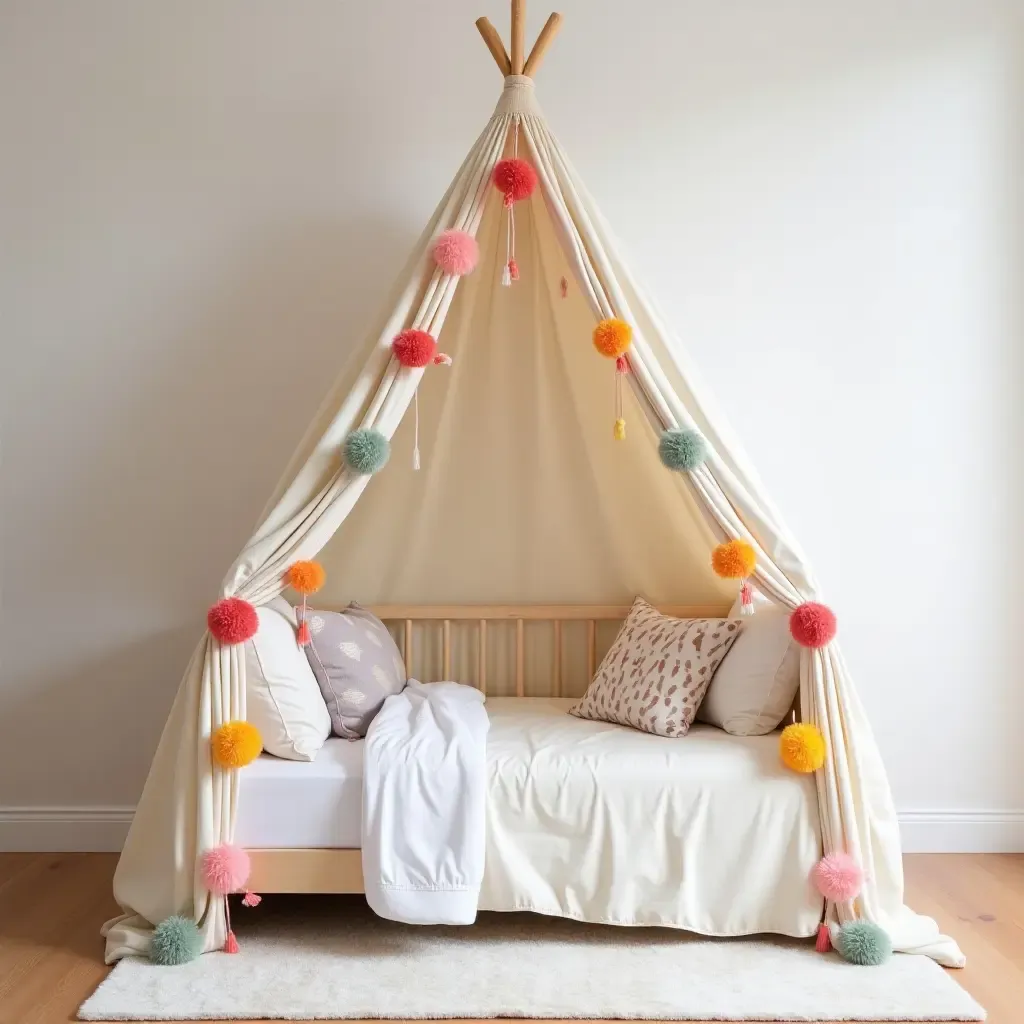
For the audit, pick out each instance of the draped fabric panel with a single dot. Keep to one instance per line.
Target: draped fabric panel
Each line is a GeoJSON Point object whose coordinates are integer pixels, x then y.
{"type": "Point", "coordinates": [485, 521]}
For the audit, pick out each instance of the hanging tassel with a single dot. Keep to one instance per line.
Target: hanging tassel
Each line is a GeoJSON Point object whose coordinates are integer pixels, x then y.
{"type": "Point", "coordinates": [302, 636]}
{"type": "Point", "coordinates": [747, 598]}
{"type": "Point", "coordinates": [823, 943]}
{"type": "Point", "coordinates": [619, 431]}
{"type": "Point", "coordinates": [506, 275]}
{"type": "Point", "coordinates": [622, 365]}
{"type": "Point", "coordinates": [251, 899]}
{"type": "Point", "coordinates": [416, 458]}
{"type": "Point", "coordinates": [442, 359]}
{"type": "Point", "coordinates": [513, 270]}
{"type": "Point", "coordinates": [416, 430]}
{"type": "Point", "coordinates": [231, 943]}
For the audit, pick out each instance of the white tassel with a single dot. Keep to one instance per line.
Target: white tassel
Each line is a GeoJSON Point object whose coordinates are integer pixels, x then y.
{"type": "Point", "coordinates": [415, 458]}
{"type": "Point", "coordinates": [506, 277]}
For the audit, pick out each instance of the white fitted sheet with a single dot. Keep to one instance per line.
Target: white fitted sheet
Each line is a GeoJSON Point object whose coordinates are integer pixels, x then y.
{"type": "Point", "coordinates": [303, 804]}
{"type": "Point", "coordinates": [594, 821]}
{"type": "Point", "coordinates": [607, 824]}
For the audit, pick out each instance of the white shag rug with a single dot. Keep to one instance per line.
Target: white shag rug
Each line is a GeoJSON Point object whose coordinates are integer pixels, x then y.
{"type": "Point", "coordinates": [307, 958]}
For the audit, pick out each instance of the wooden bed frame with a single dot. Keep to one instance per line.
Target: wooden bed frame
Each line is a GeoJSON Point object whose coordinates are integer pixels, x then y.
{"type": "Point", "coordinates": [340, 871]}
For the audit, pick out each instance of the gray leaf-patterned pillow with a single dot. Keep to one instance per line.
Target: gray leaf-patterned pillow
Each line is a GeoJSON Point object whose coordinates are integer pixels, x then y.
{"type": "Point", "coordinates": [357, 664]}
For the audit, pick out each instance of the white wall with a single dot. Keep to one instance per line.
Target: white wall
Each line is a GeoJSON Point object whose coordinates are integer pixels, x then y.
{"type": "Point", "coordinates": [202, 203]}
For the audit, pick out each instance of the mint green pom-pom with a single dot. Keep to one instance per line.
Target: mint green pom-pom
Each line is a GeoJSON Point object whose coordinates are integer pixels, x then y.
{"type": "Point", "coordinates": [682, 450]}
{"type": "Point", "coordinates": [863, 943]}
{"type": "Point", "coordinates": [366, 451]}
{"type": "Point", "coordinates": [176, 940]}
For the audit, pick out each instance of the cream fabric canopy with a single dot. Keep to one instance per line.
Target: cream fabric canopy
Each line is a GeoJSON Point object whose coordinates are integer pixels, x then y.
{"type": "Point", "coordinates": [524, 496]}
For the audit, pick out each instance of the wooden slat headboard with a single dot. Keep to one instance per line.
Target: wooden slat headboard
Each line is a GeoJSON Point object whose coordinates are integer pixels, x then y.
{"type": "Point", "coordinates": [404, 620]}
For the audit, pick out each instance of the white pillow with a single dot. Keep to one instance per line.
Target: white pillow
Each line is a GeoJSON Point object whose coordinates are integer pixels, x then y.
{"type": "Point", "coordinates": [282, 698]}
{"type": "Point", "coordinates": [757, 682]}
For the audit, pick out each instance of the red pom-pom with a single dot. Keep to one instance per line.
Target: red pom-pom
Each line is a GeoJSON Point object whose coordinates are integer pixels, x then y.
{"type": "Point", "coordinates": [456, 252]}
{"type": "Point", "coordinates": [225, 869]}
{"type": "Point", "coordinates": [812, 624]}
{"type": "Point", "coordinates": [414, 348]}
{"type": "Point", "coordinates": [232, 621]}
{"type": "Point", "coordinates": [515, 179]}
{"type": "Point", "coordinates": [838, 877]}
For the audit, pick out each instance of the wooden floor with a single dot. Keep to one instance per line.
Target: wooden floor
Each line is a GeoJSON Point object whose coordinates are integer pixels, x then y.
{"type": "Point", "coordinates": [52, 905]}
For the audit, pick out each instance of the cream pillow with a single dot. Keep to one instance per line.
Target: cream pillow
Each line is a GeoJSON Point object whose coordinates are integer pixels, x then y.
{"type": "Point", "coordinates": [282, 698]}
{"type": "Point", "coordinates": [757, 682]}
{"type": "Point", "coordinates": [657, 670]}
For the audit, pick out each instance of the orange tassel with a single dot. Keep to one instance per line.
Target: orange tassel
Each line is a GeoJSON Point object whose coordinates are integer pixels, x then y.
{"type": "Point", "coordinates": [231, 943]}
{"type": "Point", "coordinates": [823, 944]}
{"type": "Point", "coordinates": [303, 636]}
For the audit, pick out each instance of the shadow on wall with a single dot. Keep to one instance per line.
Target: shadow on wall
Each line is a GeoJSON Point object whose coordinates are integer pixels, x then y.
{"type": "Point", "coordinates": [184, 446]}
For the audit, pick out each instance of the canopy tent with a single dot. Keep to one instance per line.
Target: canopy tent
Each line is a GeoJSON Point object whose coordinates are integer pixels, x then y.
{"type": "Point", "coordinates": [524, 495]}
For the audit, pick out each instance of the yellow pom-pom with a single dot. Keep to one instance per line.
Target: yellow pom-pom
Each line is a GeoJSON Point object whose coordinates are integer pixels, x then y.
{"type": "Point", "coordinates": [802, 747]}
{"type": "Point", "coordinates": [734, 560]}
{"type": "Point", "coordinates": [236, 744]}
{"type": "Point", "coordinates": [619, 433]}
{"type": "Point", "coordinates": [612, 337]}
{"type": "Point", "coordinates": [306, 577]}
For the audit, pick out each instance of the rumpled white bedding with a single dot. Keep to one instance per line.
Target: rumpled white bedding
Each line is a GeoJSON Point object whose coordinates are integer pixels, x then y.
{"type": "Point", "coordinates": [424, 783]}
{"type": "Point", "coordinates": [607, 824]}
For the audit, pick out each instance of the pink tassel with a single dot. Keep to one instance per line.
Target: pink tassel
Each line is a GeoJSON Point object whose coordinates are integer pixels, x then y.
{"type": "Point", "coordinates": [303, 636]}
{"type": "Point", "coordinates": [442, 359]}
{"type": "Point", "coordinates": [231, 943]}
{"type": "Point", "coordinates": [509, 200]}
{"type": "Point", "coordinates": [513, 270]}
{"type": "Point", "coordinates": [747, 598]}
{"type": "Point", "coordinates": [622, 365]}
{"type": "Point", "coordinates": [823, 943]}
{"type": "Point", "coordinates": [252, 899]}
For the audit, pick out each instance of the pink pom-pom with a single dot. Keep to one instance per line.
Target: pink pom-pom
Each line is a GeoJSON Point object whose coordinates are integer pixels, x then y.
{"type": "Point", "coordinates": [456, 252]}
{"type": "Point", "coordinates": [232, 620]}
{"type": "Point", "coordinates": [414, 348]}
{"type": "Point", "coordinates": [225, 869]}
{"type": "Point", "coordinates": [838, 877]}
{"type": "Point", "coordinates": [515, 179]}
{"type": "Point", "coordinates": [812, 624]}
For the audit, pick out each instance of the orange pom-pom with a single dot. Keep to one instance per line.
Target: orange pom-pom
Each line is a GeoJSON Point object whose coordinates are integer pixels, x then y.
{"type": "Point", "coordinates": [612, 337]}
{"type": "Point", "coordinates": [236, 744]}
{"type": "Point", "coordinates": [306, 577]}
{"type": "Point", "coordinates": [734, 560]}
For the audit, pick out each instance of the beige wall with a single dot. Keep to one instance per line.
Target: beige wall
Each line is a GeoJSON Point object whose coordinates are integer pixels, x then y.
{"type": "Point", "coordinates": [203, 203]}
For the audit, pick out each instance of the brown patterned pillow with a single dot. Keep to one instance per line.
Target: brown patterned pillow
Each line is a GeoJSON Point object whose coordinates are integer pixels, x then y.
{"type": "Point", "coordinates": [657, 671]}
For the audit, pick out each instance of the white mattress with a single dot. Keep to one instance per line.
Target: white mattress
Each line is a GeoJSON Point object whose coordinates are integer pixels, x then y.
{"type": "Point", "coordinates": [594, 821]}
{"type": "Point", "coordinates": [604, 823]}
{"type": "Point", "coordinates": [303, 804]}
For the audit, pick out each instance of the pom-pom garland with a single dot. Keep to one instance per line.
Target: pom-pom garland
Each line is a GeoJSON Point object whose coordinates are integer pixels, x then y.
{"type": "Point", "coordinates": [734, 560]}
{"type": "Point", "coordinates": [236, 744]}
{"type": "Point", "coordinates": [366, 451]}
{"type": "Point", "coordinates": [812, 624]}
{"type": "Point", "coordinates": [305, 577]}
{"type": "Point", "coordinates": [612, 337]}
{"type": "Point", "coordinates": [176, 940]}
{"type": "Point", "coordinates": [863, 943]}
{"type": "Point", "coordinates": [802, 747]}
{"type": "Point", "coordinates": [682, 450]}
{"type": "Point", "coordinates": [225, 869]}
{"type": "Point", "coordinates": [232, 621]}
{"type": "Point", "coordinates": [838, 877]}
{"type": "Point", "coordinates": [456, 252]}
{"type": "Point", "coordinates": [515, 179]}
{"type": "Point", "coordinates": [413, 348]}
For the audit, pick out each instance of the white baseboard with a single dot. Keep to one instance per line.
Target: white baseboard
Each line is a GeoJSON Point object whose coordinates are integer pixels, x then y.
{"type": "Point", "coordinates": [981, 831]}
{"type": "Point", "coordinates": [64, 829]}
{"type": "Point", "coordinates": [100, 829]}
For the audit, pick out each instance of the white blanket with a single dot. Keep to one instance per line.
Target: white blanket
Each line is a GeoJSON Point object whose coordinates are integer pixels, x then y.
{"type": "Point", "coordinates": [424, 797]}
